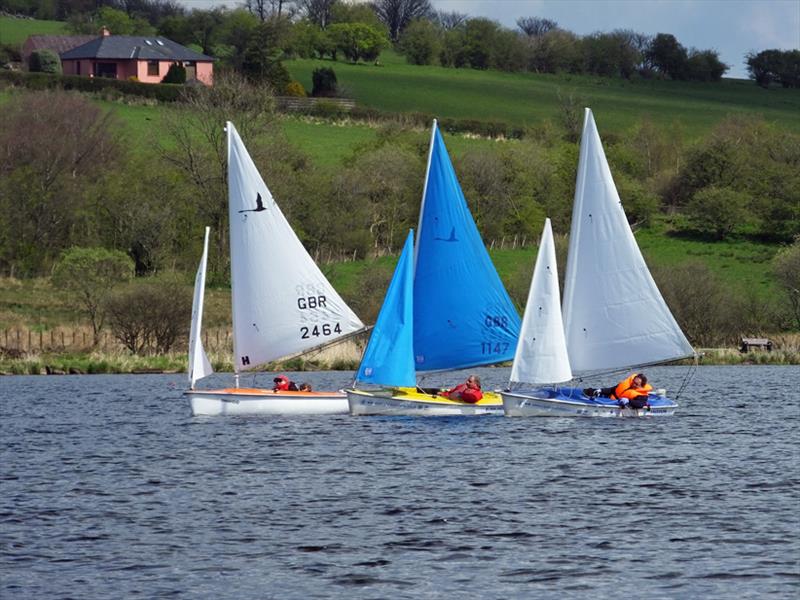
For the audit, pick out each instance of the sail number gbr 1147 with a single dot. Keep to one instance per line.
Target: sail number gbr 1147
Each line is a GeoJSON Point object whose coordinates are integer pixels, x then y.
{"type": "Point", "coordinates": [318, 329]}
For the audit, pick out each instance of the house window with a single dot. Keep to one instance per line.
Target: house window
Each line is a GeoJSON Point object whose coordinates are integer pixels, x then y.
{"type": "Point", "coordinates": [77, 67]}
{"type": "Point", "coordinates": [152, 68]}
{"type": "Point", "coordinates": [105, 70]}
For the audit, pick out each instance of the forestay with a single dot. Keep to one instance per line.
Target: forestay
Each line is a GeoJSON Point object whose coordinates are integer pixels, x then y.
{"type": "Point", "coordinates": [614, 315]}
{"type": "Point", "coordinates": [541, 355]}
{"type": "Point", "coordinates": [389, 357]}
{"type": "Point", "coordinates": [282, 303]}
{"type": "Point", "coordinates": [199, 365]}
{"type": "Point", "coordinates": [463, 316]}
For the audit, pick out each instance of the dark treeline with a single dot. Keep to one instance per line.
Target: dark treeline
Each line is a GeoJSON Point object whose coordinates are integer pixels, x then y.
{"type": "Point", "coordinates": [259, 33]}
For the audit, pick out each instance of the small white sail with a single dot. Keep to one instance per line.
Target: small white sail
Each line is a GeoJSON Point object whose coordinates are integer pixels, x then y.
{"type": "Point", "coordinates": [199, 366]}
{"type": "Point", "coordinates": [282, 303]}
{"type": "Point", "coordinates": [541, 355]}
{"type": "Point", "coordinates": [614, 315]}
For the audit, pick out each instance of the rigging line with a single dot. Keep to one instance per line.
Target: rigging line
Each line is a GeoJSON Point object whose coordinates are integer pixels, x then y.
{"type": "Point", "coordinates": [690, 373]}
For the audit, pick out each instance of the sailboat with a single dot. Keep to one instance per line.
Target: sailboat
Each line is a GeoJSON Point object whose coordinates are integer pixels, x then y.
{"type": "Point", "coordinates": [614, 317]}
{"type": "Point", "coordinates": [462, 314]}
{"type": "Point", "coordinates": [282, 304]}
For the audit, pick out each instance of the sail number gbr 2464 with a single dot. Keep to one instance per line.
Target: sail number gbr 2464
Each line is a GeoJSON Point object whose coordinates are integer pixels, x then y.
{"type": "Point", "coordinates": [318, 329]}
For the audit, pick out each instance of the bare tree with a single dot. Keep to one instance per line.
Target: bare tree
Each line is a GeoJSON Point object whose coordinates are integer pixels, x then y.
{"type": "Point", "coordinates": [397, 14]}
{"type": "Point", "coordinates": [535, 26]}
{"type": "Point", "coordinates": [449, 20]}
{"type": "Point", "coordinates": [317, 11]}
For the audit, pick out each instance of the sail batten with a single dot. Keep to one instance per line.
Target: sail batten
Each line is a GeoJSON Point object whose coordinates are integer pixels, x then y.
{"type": "Point", "coordinates": [282, 303]}
{"type": "Point", "coordinates": [463, 315]}
{"type": "Point", "coordinates": [614, 315]}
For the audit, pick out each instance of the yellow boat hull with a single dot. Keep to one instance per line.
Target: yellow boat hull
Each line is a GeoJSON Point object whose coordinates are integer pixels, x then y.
{"type": "Point", "coordinates": [413, 402]}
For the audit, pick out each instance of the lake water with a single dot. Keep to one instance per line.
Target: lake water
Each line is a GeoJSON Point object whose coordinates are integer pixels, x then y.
{"type": "Point", "coordinates": [110, 489]}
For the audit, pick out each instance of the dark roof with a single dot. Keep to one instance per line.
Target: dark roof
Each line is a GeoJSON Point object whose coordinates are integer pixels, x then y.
{"type": "Point", "coordinates": [133, 47]}
{"type": "Point", "coordinates": [56, 43]}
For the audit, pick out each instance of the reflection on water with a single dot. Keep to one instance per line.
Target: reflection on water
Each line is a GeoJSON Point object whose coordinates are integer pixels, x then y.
{"type": "Point", "coordinates": [111, 489]}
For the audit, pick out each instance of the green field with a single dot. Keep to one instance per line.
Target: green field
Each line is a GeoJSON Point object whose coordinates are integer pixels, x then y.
{"type": "Point", "coordinates": [527, 99]}
{"type": "Point", "coordinates": [16, 31]}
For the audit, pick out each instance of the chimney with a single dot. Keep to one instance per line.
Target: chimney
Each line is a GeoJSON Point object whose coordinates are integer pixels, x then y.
{"type": "Point", "coordinates": [105, 32]}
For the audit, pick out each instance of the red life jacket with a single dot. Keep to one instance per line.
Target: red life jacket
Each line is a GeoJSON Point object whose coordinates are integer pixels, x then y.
{"type": "Point", "coordinates": [281, 384]}
{"type": "Point", "coordinates": [464, 393]}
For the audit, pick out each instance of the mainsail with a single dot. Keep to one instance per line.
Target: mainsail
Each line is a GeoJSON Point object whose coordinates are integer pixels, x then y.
{"type": "Point", "coordinates": [389, 357]}
{"type": "Point", "coordinates": [541, 355]}
{"type": "Point", "coordinates": [282, 303]}
{"type": "Point", "coordinates": [463, 316]}
{"type": "Point", "coordinates": [614, 315]}
{"type": "Point", "coordinates": [199, 366]}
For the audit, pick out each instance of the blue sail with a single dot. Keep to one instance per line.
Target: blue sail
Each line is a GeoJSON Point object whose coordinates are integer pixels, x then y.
{"type": "Point", "coordinates": [463, 316]}
{"type": "Point", "coordinates": [389, 357]}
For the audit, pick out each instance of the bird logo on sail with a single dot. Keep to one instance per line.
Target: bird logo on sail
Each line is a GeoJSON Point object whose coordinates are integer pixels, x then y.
{"type": "Point", "coordinates": [259, 206]}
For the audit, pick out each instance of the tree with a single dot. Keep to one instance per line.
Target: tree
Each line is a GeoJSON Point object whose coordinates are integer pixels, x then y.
{"type": "Point", "coordinates": [479, 39]}
{"type": "Point", "coordinates": [420, 43]}
{"type": "Point", "coordinates": [668, 56]}
{"type": "Point", "coordinates": [705, 65]}
{"type": "Point", "coordinates": [535, 26]}
{"type": "Point", "coordinates": [775, 65]}
{"type": "Point", "coordinates": [786, 267]}
{"type": "Point", "coordinates": [118, 22]}
{"type": "Point", "coordinates": [91, 274]}
{"type": "Point", "coordinates": [318, 12]}
{"type": "Point", "coordinates": [261, 61]}
{"type": "Point", "coordinates": [449, 20]}
{"type": "Point", "coordinates": [358, 41]}
{"type": "Point", "coordinates": [175, 74]}
{"type": "Point", "coordinates": [56, 148]}
{"type": "Point", "coordinates": [150, 317]}
{"type": "Point", "coordinates": [398, 14]}
{"type": "Point", "coordinates": [324, 81]}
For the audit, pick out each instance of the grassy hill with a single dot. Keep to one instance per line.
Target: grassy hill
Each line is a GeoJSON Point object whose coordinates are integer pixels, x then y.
{"type": "Point", "coordinates": [527, 99]}
{"type": "Point", "coordinates": [16, 31]}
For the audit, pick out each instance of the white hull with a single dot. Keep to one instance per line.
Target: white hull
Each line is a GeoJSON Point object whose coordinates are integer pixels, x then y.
{"type": "Point", "coordinates": [364, 403]}
{"type": "Point", "coordinates": [521, 405]}
{"type": "Point", "coordinates": [263, 402]}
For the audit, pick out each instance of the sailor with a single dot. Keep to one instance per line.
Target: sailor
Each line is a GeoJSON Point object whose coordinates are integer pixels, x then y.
{"type": "Point", "coordinates": [469, 391]}
{"type": "Point", "coordinates": [632, 391]}
{"type": "Point", "coordinates": [284, 384]}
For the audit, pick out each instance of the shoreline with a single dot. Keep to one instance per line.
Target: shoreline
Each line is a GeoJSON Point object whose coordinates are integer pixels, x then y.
{"type": "Point", "coordinates": [97, 363]}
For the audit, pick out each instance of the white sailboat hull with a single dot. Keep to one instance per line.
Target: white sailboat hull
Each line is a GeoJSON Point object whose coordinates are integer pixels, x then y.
{"type": "Point", "coordinates": [247, 401]}
{"type": "Point", "coordinates": [383, 402]}
{"type": "Point", "coordinates": [530, 405]}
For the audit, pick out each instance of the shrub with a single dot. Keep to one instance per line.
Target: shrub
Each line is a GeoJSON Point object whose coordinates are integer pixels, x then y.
{"type": "Point", "coordinates": [44, 61]}
{"type": "Point", "coordinates": [149, 318]}
{"type": "Point", "coordinates": [716, 211]}
{"type": "Point", "coordinates": [295, 88]}
{"type": "Point", "coordinates": [324, 80]}
{"type": "Point", "coordinates": [176, 74]}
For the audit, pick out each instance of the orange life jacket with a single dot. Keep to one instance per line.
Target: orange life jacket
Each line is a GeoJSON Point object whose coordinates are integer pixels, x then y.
{"type": "Point", "coordinates": [625, 389]}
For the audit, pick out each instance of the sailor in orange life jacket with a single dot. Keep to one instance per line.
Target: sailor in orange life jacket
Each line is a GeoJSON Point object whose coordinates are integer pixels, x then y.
{"type": "Point", "coordinates": [283, 384]}
{"type": "Point", "coordinates": [469, 391]}
{"type": "Point", "coordinates": [632, 391]}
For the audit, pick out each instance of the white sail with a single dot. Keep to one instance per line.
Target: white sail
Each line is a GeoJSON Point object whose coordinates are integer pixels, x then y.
{"type": "Point", "coordinates": [199, 366]}
{"type": "Point", "coordinates": [614, 315]}
{"type": "Point", "coordinates": [541, 355]}
{"type": "Point", "coordinates": [282, 303]}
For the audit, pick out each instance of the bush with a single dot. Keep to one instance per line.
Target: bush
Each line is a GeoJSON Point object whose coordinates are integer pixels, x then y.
{"type": "Point", "coordinates": [324, 80]}
{"type": "Point", "coordinates": [44, 61]}
{"type": "Point", "coordinates": [176, 74]}
{"type": "Point", "coordinates": [295, 88]}
{"type": "Point", "coordinates": [149, 318]}
{"type": "Point", "coordinates": [717, 211]}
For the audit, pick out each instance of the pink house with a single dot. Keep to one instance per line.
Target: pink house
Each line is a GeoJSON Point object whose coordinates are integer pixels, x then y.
{"type": "Point", "coordinates": [131, 56]}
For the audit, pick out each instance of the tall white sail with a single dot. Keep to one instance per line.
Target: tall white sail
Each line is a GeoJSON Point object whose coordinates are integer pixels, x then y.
{"type": "Point", "coordinates": [614, 315]}
{"type": "Point", "coordinates": [541, 355]}
{"type": "Point", "coordinates": [282, 303]}
{"type": "Point", "coordinates": [199, 366]}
